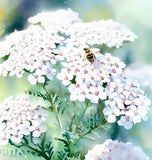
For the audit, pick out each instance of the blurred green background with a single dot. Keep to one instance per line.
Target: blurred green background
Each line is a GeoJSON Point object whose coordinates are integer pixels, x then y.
{"type": "Point", "coordinates": [135, 14]}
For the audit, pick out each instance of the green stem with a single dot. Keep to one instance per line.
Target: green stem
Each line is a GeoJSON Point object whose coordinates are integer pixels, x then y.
{"type": "Point", "coordinates": [43, 140]}
{"type": "Point", "coordinates": [54, 108]}
{"type": "Point", "coordinates": [100, 110]}
{"type": "Point", "coordinates": [57, 117]}
{"type": "Point", "coordinates": [73, 117]}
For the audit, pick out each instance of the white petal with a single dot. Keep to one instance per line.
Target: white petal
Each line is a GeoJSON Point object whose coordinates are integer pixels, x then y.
{"type": "Point", "coordinates": [111, 118]}
{"type": "Point", "coordinates": [36, 140]}
{"type": "Point", "coordinates": [43, 128]}
{"type": "Point", "coordinates": [36, 133]}
{"type": "Point", "coordinates": [94, 99]}
{"type": "Point", "coordinates": [128, 125]}
{"type": "Point", "coordinates": [31, 79]}
{"type": "Point", "coordinates": [66, 82]}
{"type": "Point", "coordinates": [136, 119]}
{"type": "Point", "coordinates": [73, 97]}
{"type": "Point", "coordinates": [60, 76]}
{"type": "Point", "coordinates": [41, 79]}
{"type": "Point", "coordinates": [81, 98]}
{"type": "Point", "coordinates": [103, 96]}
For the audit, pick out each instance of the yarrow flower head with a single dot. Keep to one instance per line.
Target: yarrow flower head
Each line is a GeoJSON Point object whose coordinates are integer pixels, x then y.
{"type": "Point", "coordinates": [114, 150]}
{"type": "Point", "coordinates": [30, 50]}
{"type": "Point", "coordinates": [126, 101]}
{"type": "Point", "coordinates": [106, 32]}
{"type": "Point", "coordinates": [78, 33]}
{"type": "Point", "coordinates": [104, 80]}
{"type": "Point", "coordinates": [59, 20]}
{"type": "Point", "coordinates": [86, 80]}
{"type": "Point", "coordinates": [18, 118]}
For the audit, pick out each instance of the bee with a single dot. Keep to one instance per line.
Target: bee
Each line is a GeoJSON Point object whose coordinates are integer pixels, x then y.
{"type": "Point", "coordinates": [89, 55]}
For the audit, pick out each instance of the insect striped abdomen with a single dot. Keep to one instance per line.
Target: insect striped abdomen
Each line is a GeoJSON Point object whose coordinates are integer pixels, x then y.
{"type": "Point", "coordinates": [91, 57]}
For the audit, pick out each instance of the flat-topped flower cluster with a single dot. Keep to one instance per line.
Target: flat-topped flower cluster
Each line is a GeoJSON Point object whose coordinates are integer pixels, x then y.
{"type": "Point", "coordinates": [59, 21]}
{"type": "Point", "coordinates": [19, 118]}
{"type": "Point", "coordinates": [89, 79]}
{"type": "Point", "coordinates": [114, 150]}
{"type": "Point", "coordinates": [30, 49]}
{"type": "Point", "coordinates": [106, 32]}
{"type": "Point", "coordinates": [104, 80]}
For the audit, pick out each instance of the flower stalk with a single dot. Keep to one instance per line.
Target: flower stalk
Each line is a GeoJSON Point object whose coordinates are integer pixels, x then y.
{"type": "Point", "coordinates": [53, 107]}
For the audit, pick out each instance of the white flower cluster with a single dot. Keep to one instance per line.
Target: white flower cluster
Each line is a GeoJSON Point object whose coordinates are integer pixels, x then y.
{"type": "Point", "coordinates": [19, 118]}
{"type": "Point", "coordinates": [30, 50]}
{"type": "Point", "coordinates": [59, 20]}
{"type": "Point", "coordinates": [127, 101]}
{"type": "Point", "coordinates": [104, 80]}
{"type": "Point", "coordinates": [101, 32]}
{"type": "Point", "coordinates": [37, 48]}
{"type": "Point", "coordinates": [114, 150]}
{"type": "Point", "coordinates": [88, 79]}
